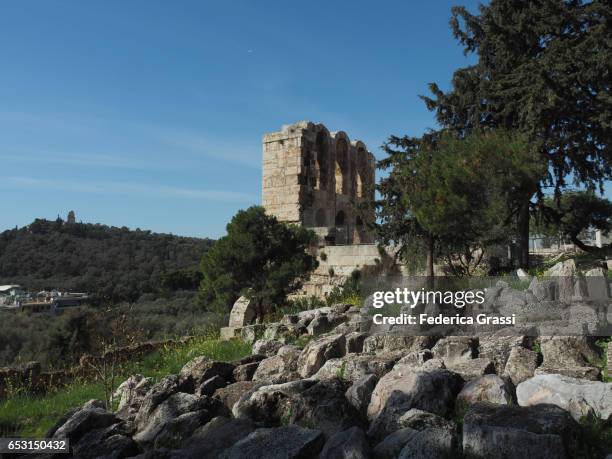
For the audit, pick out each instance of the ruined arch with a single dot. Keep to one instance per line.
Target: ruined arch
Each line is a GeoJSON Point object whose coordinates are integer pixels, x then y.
{"type": "Point", "coordinates": [358, 185]}
{"type": "Point", "coordinates": [342, 166]}
{"type": "Point", "coordinates": [340, 218]}
{"type": "Point", "coordinates": [363, 180]}
{"type": "Point", "coordinates": [322, 160]}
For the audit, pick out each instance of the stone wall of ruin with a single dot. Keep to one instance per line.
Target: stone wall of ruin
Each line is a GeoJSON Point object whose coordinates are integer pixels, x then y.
{"type": "Point", "coordinates": [320, 180]}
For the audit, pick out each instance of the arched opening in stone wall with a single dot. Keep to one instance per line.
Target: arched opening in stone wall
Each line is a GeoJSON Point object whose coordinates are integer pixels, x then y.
{"type": "Point", "coordinates": [358, 185]}
{"type": "Point", "coordinates": [320, 219]}
{"type": "Point", "coordinates": [340, 218]}
{"type": "Point", "coordinates": [358, 231]}
{"type": "Point", "coordinates": [321, 164]}
{"type": "Point", "coordinates": [338, 179]}
{"type": "Point", "coordinates": [362, 175]}
{"type": "Point", "coordinates": [342, 179]}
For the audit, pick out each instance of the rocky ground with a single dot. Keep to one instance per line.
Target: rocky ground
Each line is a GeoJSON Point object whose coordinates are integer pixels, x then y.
{"type": "Point", "coordinates": [347, 393]}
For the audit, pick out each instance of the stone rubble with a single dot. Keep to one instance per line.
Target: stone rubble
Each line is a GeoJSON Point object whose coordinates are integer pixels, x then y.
{"type": "Point", "coordinates": [343, 393]}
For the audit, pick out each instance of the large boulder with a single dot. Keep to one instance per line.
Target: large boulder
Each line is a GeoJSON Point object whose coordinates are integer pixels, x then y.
{"type": "Point", "coordinates": [577, 396]}
{"type": "Point", "coordinates": [455, 349]}
{"type": "Point", "coordinates": [391, 446]}
{"type": "Point", "coordinates": [231, 393]}
{"type": "Point", "coordinates": [268, 404]}
{"type": "Point", "coordinates": [160, 391]}
{"type": "Point", "coordinates": [267, 347]}
{"type": "Point", "coordinates": [428, 443]}
{"type": "Point", "coordinates": [563, 273]}
{"type": "Point", "coordinates": [498, 348]}
{"type": "Point", "coordinates": [420, 420]}
{"type": "Point", "coordinates": [90, 416]}
{"type": "Point", "coordinates": [396, 344]}
{"type": "Point", "coordinates": [544, 290]}
{"type": "Point", "coordinates": [472, 369]}
{"type": "Point", "coordinates": [513, 432]}
{"type": "Point", "coordinates": [221, 433]}
{"type": "Point", "coordinates": [360, 392]}
{"type": "Point", "coordinates": [252, 333]}
{"type": "Point", "coordinates": [177, 430]}
{"type": "Point", "coordinates": [288, 442]}
{"type": "Point", "coordinates": [354, 341]}
{"type": "Point", "coordinates": [174, 419]}
{"type": "Point", "coordinates": [398, 417]}
{"type": "Point", "coordinates": [113, 442]}
{"type": "Point", "coordinates": [245, 372]}
{"type": "Point", "coordinates": [318, 351]}
{"type": "Point", "coordinates": [581, 372]}
{"type": "Point", "coordinates": [130, 394]}
{"type": "Point", "coordinates": [568, 351]}
{"type": "Point", "coordinates": [348, 444]}
{"type": "Point", "coordinates": [488, 388]}
{"type": "Point", "coordinates": [433, 391]}
{"type": "Point", "coordinates": [424, 443]}
{"type": "Point", "coordinates": [352, 367]}
{"type": "Point", "coordinates": [520, 365]}
{"type": "Point", "coordinates": [200, 369]}
{"type": "Point", "coordinates": [570, 356]}
{"type": "Point", "coordinates": [319, 325]}
{"type": "Point", "coordinates": [278, 331]}
{"type": "Point", "coordinates": [279, 368]}
{"type": "Point", "coordinates": [417, 358]}
{"type": "Point", "coordinates": [318, 404]}
{"type": "Point", "coordinates": [209, 386]}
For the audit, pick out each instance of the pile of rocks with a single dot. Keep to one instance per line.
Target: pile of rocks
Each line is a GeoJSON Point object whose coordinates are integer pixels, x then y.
{"type": "Point", "coordinates": [347, 393]}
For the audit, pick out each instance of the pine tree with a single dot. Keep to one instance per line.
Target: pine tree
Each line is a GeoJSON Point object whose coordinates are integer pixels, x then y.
{"type": "Point", "coordinates": [544, 68]}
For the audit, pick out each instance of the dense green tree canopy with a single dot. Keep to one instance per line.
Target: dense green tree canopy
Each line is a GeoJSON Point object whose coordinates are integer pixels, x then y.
{"type": "Point", "coordinates": [260, 257]}
{"type": "Point", "coordinates": [461, 193]}
{"type": "Point", "coordinates": [112, 264]}
{"type": "Point", "coordinates": [544, 68]}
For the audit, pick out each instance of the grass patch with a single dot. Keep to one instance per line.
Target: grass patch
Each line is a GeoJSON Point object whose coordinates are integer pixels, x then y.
{"type": "Point", "coordinates": [33, 416]}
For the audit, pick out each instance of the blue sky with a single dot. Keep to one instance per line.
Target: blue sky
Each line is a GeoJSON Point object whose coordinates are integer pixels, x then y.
{"type": "Point", "coordinates": [150, 114]}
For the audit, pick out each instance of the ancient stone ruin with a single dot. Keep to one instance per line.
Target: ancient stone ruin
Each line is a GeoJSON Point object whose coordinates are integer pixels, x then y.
{"type": "Point", "coordinates": [318, 179]}
{"type": "Point", "coordinates": [324, 181]}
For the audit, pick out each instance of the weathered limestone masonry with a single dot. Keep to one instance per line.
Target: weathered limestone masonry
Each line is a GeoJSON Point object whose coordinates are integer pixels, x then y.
{"type": "Point", "coordinates": [315, 178]}
{"type": "Point", "coordinates": [324, 181]}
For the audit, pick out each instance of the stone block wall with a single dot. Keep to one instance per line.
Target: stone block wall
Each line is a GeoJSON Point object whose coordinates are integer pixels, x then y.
{"type": "Point", "coordinates": [321, 180]}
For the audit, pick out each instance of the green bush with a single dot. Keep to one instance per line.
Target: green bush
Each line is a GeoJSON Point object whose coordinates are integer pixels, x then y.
{"type": "Point", "coordinates": [259, 257]}
{"type": "Point", "coordinates": [349, 292]}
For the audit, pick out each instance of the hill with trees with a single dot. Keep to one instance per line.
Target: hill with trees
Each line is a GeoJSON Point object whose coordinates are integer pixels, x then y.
{"type": "Point", "coordinates": [111, 264]}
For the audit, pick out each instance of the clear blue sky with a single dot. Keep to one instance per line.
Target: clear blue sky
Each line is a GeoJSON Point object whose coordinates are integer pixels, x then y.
{"type": "Point", "coordinates": [150, 114]}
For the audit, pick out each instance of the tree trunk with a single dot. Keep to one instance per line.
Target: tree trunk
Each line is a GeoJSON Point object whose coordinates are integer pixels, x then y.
{"type": "Point", "coordinates": [582, 246]}
{"type": "Point", "coordinates": [259, 314]}
{"type": "Point", "coordinates": [523, 235]}
{"type": "Point", "coordinates": [430, 256]}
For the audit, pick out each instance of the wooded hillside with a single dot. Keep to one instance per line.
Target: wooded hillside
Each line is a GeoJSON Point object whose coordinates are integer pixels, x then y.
{"type": "Point", "coordinates": [112, 264]}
